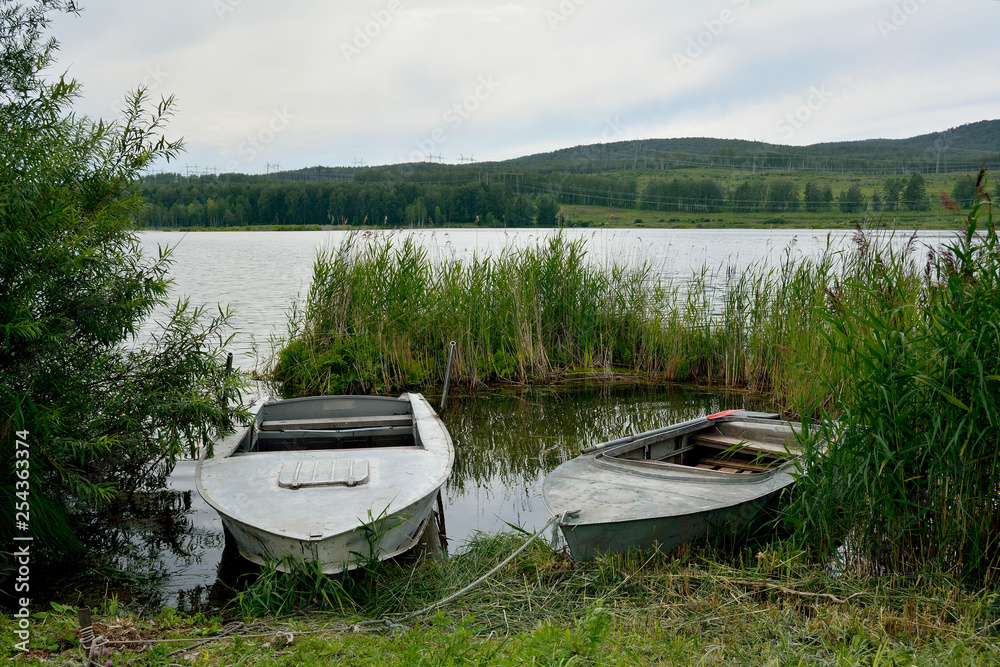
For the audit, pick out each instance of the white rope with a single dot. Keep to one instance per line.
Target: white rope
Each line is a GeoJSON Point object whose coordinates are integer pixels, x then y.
{"type": "Point", "coordinates": [100, 642]}
{"type": "Point", "coordinates": [398, 623]}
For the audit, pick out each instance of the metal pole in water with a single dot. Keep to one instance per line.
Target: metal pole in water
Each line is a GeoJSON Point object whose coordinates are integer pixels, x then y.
{"type": "Point", "coordinates": [229, 369]}
{"type": "Point", "coordinates": [447, 377]}
{"type": "Point", "coordinates": [225, 389]}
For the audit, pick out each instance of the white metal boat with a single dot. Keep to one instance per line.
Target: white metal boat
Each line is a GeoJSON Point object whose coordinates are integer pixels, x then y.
{"type": "Point", "coordinates": [674, 484]}
{"type": "Point", "coordinates": [325, 478]}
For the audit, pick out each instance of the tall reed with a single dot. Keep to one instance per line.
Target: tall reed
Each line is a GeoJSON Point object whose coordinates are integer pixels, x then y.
{"type": "Point", "coordinates": [912, 469]}
{"type": "Point", "coordinates": [894, 362]}
{"type": "Point", "coordinates": [379, 314]}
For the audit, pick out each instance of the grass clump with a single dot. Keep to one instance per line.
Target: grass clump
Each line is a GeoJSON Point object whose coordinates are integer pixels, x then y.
{"type": "Point", "coordinates": [694, 605]}
{"type": "Point", "coordinates": [379, 315]}
{"type": "Point", "coordinates": [912, 472]}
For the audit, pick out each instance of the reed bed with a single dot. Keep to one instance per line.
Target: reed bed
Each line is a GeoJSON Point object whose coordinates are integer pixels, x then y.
{"type": "Point", "coordinates": [888, 353]}
{"type": "Point", "coordinates": [912, 480]}
{"type": "Point", "coordinates": [379, 314]}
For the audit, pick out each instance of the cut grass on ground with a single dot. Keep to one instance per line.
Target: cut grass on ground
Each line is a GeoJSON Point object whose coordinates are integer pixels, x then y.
{"type": "Point", "coordinates": [691, 606]}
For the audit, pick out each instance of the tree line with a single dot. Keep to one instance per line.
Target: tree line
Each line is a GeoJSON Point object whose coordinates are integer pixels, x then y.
{"type": "Point", "coordinates": [491, 200]}
{"type": "Point", "coordinates": [779, 195]}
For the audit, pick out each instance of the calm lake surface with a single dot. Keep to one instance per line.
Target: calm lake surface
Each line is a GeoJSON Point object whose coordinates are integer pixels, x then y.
{"type": "Point", "coordinates": [505, 442]}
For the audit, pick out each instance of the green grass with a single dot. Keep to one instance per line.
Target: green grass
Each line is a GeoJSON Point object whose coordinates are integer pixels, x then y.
{"type": "Point", "coordinates": [379, 315]}
{"type": "Point", "coordinates": [598, 216]}
{"type": "Point", "coordinates": [696, 605]}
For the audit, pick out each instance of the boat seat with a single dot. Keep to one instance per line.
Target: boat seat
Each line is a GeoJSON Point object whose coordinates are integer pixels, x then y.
{"type": "Point", "coordinates": [731, 442]}
{"type": "Point", "coordinates": [732, 465]}
{"type": "Point", "coordinates": [336, 423]}
{"type": "Point", "coordinates": [718, 468]}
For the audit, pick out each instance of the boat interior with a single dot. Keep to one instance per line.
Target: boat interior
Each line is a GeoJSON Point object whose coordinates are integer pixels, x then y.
{"type": "Point", "coordinates": [729, 447]}
{"type": "Point", "coordinates": [358, 432]}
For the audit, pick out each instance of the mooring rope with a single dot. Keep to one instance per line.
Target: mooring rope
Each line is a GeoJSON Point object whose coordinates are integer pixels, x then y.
{"type": "Point", "coordinates": [89, 643]}
{"type": "Point", "coordinates": [398, 623]}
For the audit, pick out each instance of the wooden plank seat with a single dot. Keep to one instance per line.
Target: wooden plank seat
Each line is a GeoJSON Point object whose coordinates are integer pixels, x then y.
{"type": "Point", "coordinates": [336, 423]}
{"type": "Point", "coordinates": [733, 465]}
{"type": "Point", "coordinates": [735, 471]}
{"type": "Point", "coordinates": [731, 442]}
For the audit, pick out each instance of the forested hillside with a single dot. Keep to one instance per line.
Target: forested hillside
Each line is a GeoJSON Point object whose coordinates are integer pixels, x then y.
{"type": "Point", "coordinates": [961, 148]}
{"type": "Point", "coordinates": [664, 175]}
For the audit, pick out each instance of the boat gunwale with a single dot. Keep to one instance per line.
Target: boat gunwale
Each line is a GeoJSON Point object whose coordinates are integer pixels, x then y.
{"type": "Point", "coordinates": [231, 442]}
{"type": "Point", "coordinates": [610, 457]}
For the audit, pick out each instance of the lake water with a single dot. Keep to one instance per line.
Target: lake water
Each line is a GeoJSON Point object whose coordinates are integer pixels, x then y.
{"type": "Point", "coordinates": [259, 274]}
{"type": "Point", "coordinates": [505, 442]}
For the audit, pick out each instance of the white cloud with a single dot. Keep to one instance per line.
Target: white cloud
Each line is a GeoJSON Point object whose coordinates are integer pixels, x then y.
{"type": "Point", "coordinates": [374, 79]}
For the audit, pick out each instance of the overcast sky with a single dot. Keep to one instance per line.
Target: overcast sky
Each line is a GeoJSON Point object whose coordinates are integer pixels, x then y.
{"type": "Point", "coordinates": [301, 83]}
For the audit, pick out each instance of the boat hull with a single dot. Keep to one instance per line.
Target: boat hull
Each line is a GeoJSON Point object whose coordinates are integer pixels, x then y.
{"type": "Point", "coordinates": [337, 553]}
{"type": "Point", "coordinates": [336, 480]}
{"type": "Point", "coordinates": [673, 485]}
{"type": "Point", "coordinates": [589, 540]}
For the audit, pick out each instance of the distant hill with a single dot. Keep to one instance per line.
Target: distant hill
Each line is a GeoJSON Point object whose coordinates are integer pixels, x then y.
{"type": "Point", "coordinates": [697, 176]}
{"type": "Point", "coordinates": [959, 149]}
{"type": "Point", "coordinates": [962, 148]}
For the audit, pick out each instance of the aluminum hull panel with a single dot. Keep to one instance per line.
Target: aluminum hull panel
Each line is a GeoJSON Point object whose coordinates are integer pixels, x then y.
{"type": "Point", "coordinates": [337, 553]}
{"type": "Point", "coordinates": [589, 540]}
{"type": "Point", "coordinates": [613, 500]}
{"type": "Point", "coordinates": [270, 519]}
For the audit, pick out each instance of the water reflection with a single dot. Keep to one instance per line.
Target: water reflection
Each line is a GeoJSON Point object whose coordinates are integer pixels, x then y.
{"type": "Point", "coordinates": [506, 443]}
{"type": "Point", "coordinates": [174, 546]}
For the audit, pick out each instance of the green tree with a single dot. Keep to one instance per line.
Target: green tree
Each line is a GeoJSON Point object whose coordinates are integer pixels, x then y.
{"type": "Point", "coordinates": [965, 190]}
{"type": "Point", "coordinates": [851, 199]}
{"type": "Point", "coordinates": [818, 197]}
{"type": "Point", "coordinates": [915, 194]}
{"type": "Point", "coordinates": [749, 196]}
{"type": "Point", "coordinates": [877, 203]}
{"type": "Point", "coordinates": [893, 192]}
{"type": "Point", "coordinates": [546, 211]}
{"type": "Point", "coordinates": [782, 195]}
{"type": "Point", "coordinates": [98, 411]}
